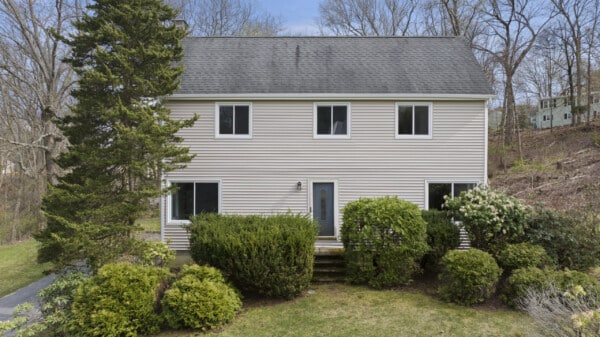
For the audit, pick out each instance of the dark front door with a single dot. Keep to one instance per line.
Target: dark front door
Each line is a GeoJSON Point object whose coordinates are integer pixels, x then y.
{"type": "Point", "coordinates": [323, 207]}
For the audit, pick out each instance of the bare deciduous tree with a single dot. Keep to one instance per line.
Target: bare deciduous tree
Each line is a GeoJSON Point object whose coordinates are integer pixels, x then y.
{"type": "Point", "coordinates": [368, 17]}
{"type": "Point", "coordinates": [578, 20]}
{"type": "Point", "coordinates": [513, 26]}
{"type": "Point", "coordinates": [453, 18]}
{"type": "Point", "coordinates": [591, 40]}
{"type": "Point", "coordinates": [35, 89]}
{"type": "Point", "coordinates": [542, 71]}
{"type": "Point", "coordinates": [31, 65]}
{"type": "Point", "coordinates": [226, 18]}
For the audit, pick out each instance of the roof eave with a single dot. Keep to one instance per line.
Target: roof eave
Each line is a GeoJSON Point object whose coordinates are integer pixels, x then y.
{"type": "Point", "coordinates": [326, 96]}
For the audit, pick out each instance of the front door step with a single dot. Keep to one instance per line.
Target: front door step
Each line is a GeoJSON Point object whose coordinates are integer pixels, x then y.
{"type": "Point", "coordinates": [329, 266]}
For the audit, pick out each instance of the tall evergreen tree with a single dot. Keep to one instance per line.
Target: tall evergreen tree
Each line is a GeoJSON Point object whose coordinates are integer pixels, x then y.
{"type": "Point", "coordinates": [121, 135]}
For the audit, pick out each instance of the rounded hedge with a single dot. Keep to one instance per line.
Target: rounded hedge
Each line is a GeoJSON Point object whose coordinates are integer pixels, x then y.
{"type": "Point", "coordinates": [523, 255]}
{"type": "Point", "coordinates": [384, 239]}
{"type": "Point", "coordinates": [468, 276]}
{"type": "Point", "coordinates": [270, 256]}
{"type": "Point", "coordinates": [571, 239]}
{"type": "Point", "coordinates": [524, 280]}
{"type": "Point", "coordinates": [442, 235]}
{"type": "Point", "coordinates": [200, 299]}
{"type": "Point", "coordinates": [120, 300]}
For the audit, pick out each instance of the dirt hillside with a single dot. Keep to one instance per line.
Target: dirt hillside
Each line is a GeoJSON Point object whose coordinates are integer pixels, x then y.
{"type": "Point", "coordinates": [557, 168]}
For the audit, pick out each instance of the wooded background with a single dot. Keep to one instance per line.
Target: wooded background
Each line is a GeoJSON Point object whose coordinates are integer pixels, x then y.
{"type": "Point", "coordinates": [530, 49]}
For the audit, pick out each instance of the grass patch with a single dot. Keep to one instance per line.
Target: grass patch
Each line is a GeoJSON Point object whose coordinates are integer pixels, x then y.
{"type": "Point", "coordinates": [19, 266]}
{"type": "Point", "coordinates": [149, 224]}
{"type": "Point", "coordinates": [342, 310]}
{"type": "Point", "coordinates": [525, 166]}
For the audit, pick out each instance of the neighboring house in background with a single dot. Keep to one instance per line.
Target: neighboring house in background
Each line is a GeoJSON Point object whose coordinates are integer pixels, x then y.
{"type": "Point", "coordinates": [307, 124]}
{"type": "Point", "coordinates": [556, 111]}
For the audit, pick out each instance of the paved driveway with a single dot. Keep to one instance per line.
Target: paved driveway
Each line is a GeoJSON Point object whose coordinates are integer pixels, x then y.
{"type": "Point", "coordinates": [25, 294]}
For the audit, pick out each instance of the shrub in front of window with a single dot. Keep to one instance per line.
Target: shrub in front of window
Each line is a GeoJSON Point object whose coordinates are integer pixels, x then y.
{"type": "Point", "coordinates": [442, 235]}
{"type": "Point", "coordinates": [468, 276]}
{"type": "Point", "coordinates": [525, 280]}
{"type": "Point", "coordinates": [120, 300]}
{"type": "Point", "coordinates": [271, 256]}
{"type": "Point", "coordinates": [573, 241]}
{"type": "Point", "coordinates": [491, 218]}
{"type": "Point", "coordinates": [384, 239]}
{"type": "Point", "coordinates": [200, 299]}
{"type": "Point", "coordinates": [523, 255]}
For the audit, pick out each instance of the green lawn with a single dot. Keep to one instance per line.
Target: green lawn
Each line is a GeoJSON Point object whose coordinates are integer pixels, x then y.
{"type": "Point", "coordinates": [149, 224]}
{"type": "Point", "coordinates": [18, 265]}
{"type": "Point", "coordinates": [341, 310]}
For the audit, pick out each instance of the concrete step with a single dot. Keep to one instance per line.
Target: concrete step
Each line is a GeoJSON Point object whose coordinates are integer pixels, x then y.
{"type": "Point", "coordinates": [465, 243]}
{"type": "Point", "coordinates": [329, 267]}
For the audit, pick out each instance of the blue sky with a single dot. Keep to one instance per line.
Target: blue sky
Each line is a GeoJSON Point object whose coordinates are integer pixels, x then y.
{"type": "Point", "coordinates": [298, 16]}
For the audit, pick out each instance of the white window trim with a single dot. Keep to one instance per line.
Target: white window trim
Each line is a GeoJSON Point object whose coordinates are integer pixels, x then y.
{"type": "Point", "coordinates": [348, 120]}
{"type": "Point", "coordinates": [217, 120]}
{"type": "Point", "coordinates": [446, 181]}
{"type": "Point", "coordinates": [413, 136]}
{"type": "Point", "coordinates": [170, 220]}
{"type": "Point", "coordinates": [311, 182]}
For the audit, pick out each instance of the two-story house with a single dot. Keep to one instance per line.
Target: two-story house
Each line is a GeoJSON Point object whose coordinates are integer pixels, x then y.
{"type": "Point", "coordinates": [556, 111]}
{"type": "Point", "coordinates": [307, 124]}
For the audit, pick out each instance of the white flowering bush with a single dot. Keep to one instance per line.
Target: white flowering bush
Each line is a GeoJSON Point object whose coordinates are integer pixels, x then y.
{"type": "Point", "coordinates": [491, 218]}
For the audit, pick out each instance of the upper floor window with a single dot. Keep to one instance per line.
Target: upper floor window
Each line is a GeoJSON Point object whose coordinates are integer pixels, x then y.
{"type": "Point", "coordinates": [233, 120]}
{"type": "Point", "coordinates": [413, 120]}
{"type": "Point", "coordinates": [332, 120]}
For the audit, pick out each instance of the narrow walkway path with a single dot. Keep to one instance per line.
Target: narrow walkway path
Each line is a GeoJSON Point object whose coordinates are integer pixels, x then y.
{"type": "Point", "coordinates": [9, 302]}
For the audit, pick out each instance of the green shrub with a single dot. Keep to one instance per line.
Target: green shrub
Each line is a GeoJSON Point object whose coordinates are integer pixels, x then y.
{"type": "Point", "coordinates": [200, 299]}
{"type": "Point", "coordinates": [491, 218]}
{"type": "Point", "coordinates": [154, 253]}
{"type": "Point", "coordinates": [203, 273]}
{"type": "Point", "coordinates": [120, 300]}
{"type": "Point", "coordinates": [55, 306]}
{"type": "Point", "coordinates": [523, 255]}
{"type": "Point", "coordinates": [384, 238]}
{"type": "Point", "coordinates": [468, 276]}
{"type": "Point", "coordinates": [525, 280]}
{"type": "Point", "coordinates": [56, 302]}
{"type": "Point", "coordinates": [571, 241]}
{"type": "Point", "coordinates": [442, 236]}
{"type": "Point", "coordinates": [271, 256]}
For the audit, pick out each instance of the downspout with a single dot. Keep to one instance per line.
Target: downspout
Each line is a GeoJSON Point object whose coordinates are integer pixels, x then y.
{"type": "Point", "coordinates": [485, 145]}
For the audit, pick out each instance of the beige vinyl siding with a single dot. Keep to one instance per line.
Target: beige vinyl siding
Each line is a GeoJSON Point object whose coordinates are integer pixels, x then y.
{"type": "Point", "coordinates": [259, 175]}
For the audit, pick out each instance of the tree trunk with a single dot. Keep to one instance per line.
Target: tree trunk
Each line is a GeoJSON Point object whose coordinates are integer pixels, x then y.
{"type": "Point", "coordinates": [51, 145]}
{"type": "Point", "coordinates": [509, 102]}
{"type": "Point", "coordinates": [579, 83]}
{"type": "Point", "coordinates": [16, 215]}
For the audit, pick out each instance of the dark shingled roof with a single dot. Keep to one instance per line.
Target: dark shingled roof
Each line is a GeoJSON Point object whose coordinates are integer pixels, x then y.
{"type": "Point", "coordinates": [331, 65]}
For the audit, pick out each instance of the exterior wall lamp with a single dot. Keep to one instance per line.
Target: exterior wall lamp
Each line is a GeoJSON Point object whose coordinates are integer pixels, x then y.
{"type": "Point", "coordinates": [299, 186]}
